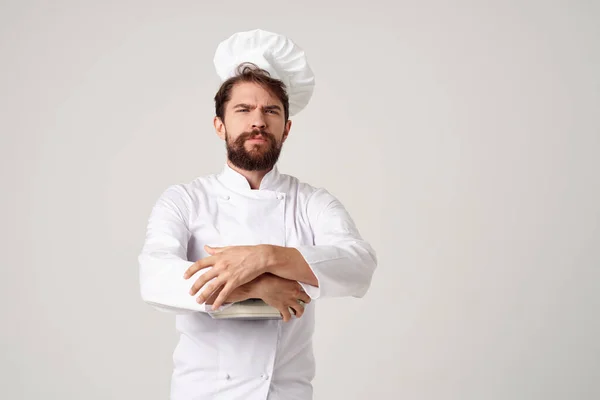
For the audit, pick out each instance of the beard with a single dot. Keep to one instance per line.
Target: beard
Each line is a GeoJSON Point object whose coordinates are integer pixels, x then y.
{"type": "Point", "coordinates": [260, 157]}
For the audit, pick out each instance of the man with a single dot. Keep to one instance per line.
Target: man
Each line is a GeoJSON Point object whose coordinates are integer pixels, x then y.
{"type": "Point", "coordinates": [251, 232]}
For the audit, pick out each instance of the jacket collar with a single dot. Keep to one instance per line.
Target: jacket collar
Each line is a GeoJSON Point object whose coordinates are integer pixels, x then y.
{"type": "Point", "coordinates": [234, 180]}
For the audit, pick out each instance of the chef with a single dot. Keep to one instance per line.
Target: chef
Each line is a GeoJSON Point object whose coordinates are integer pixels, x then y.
{"type": "Point", "coordinates": [250, 231]}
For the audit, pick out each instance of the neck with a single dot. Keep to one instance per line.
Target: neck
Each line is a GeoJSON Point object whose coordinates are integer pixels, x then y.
{"type": "Point", "coordinates": [254, 178]}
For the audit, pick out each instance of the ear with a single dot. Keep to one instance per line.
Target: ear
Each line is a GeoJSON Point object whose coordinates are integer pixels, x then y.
{"type": "Point", "coordinates": [286, 131]}
{"type": "Point", "coordinates": [219, 127]}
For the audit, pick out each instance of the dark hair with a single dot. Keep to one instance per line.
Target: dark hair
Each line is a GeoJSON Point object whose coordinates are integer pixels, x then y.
{"type": "Point", "coordinates": [249, 72]}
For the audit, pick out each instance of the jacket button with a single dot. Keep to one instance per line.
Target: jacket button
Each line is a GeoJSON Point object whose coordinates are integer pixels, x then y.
{"type": "Point", "coordinates": [227, 376]}
{"type": "Point", "coordinates": [279, 196]}
{"type": "Point", "coordinates": [226, 197]}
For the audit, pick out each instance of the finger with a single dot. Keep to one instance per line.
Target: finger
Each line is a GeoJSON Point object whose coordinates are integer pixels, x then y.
{"type": "Point", "coordinates": [227, 289]}
{"type": "Point", "coordinates": [298, 310]}
{"type": "Point", "coordinates": [285, 313]}
{"type": "Point", "coordinates": [211, 288]}
{"type": "Point", "coordinates": [212, 298]}
{"type": "Point", "coordinates": [198, 265]}
{"type": "Point", "coordinates": [202, 280]}
{"type": "Point", "coordinates": [304, 297]}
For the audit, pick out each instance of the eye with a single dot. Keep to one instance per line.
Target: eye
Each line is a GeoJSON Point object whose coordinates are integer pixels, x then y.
{"type": "Point", "coordinates": [272, 111]}
{"type": "Point", "coordinates": [242, 110]}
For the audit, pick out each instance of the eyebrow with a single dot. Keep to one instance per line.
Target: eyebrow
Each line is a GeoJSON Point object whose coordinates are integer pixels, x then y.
{"type": "Point", "coordinates": [273, 107]}
{"type": "Point", "coordinates": [244, 105]}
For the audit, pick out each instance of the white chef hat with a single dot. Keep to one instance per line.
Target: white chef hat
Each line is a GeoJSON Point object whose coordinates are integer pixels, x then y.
{"type": "Point", "coordinates": [275, 53]}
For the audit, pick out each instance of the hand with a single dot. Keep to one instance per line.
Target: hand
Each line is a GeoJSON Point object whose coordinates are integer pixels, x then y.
{"type": "Point", "coordinates": [241, 293]}
{"type": "Point", "coordinates": [281, 293]}
{"type": "Point", "coordinates": [232, 267]}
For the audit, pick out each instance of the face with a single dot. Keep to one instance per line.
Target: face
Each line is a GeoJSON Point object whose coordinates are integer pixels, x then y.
{"type": "Point", "coordinates": [254, 128]}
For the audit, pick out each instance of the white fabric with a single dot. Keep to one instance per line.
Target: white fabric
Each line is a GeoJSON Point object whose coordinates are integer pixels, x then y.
{"type": "Point", "coordinates": [247, 360]}
{"type": "Point", "coordinates": [277, 54]}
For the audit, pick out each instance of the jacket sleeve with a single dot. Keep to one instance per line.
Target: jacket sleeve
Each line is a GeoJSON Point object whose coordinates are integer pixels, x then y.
{"type": "Point", "coordinates": [340, 259]}
{"type": "Point", "coordinates": [163, 258]}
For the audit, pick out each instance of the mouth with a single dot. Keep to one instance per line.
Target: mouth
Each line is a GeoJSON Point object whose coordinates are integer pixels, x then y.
{"type": "Point", "coordinates": [257, 140]}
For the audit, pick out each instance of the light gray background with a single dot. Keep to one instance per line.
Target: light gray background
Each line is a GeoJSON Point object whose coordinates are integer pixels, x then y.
{"type": "Point", "coordinates": [462, 136]}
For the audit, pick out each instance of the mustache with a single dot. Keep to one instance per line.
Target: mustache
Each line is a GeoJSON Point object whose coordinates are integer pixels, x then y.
{"type": "Point", "coordinates": [255, 132]}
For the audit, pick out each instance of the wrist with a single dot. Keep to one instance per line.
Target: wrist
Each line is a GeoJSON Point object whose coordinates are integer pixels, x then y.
{"type": "Point", "coordinates": [258, 286]}
{"type": "Point", "coordinates": [273, 258]}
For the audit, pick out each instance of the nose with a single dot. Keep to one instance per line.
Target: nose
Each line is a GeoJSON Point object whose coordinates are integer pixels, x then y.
{"type": "Point", "coordinates": [258, 120]}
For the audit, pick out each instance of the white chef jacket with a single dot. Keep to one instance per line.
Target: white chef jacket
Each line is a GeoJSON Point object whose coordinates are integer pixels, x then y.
{"type": "Point", "coordinates": [235, 359]}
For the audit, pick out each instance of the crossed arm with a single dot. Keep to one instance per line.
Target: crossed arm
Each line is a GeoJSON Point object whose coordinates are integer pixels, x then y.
{"type": "Point", "coordinates": [281, 293]}
{"type": "Point", "coordinates": [339, 263]}
{"type": "Point", "coordinates": [235, 266]}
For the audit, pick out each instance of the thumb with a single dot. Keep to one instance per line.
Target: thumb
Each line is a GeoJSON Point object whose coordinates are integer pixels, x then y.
{"type": "Point", "coordinates": [213, 250]}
